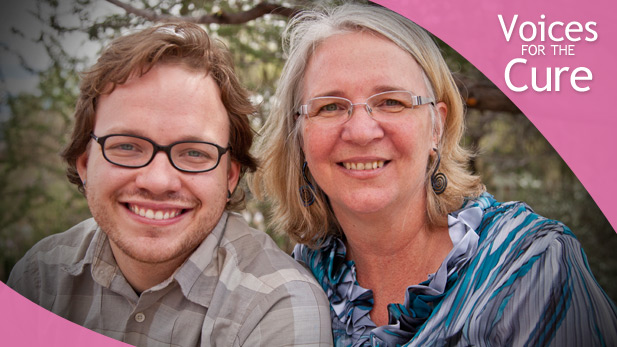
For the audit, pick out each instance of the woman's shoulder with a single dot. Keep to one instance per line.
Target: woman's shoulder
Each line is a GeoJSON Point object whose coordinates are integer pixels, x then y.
{"type": "Point", "coordinates": [514, 218]}
{"type": "Point", "coordinates": [531, 267]}
{"type": "Point", "coordinates": [512, 230]}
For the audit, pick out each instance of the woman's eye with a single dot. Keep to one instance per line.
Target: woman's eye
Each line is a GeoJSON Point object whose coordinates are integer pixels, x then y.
{"type": "Point", "coordinates": [390, 105]}
{"type": "Point", "coordinates": [392, 102]}
{"type": "Point", "coordinates": [330, 108]}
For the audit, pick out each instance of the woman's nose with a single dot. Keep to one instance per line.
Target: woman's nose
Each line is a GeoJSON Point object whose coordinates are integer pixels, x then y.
{"type": "Point", "coordinates": [361, 128]}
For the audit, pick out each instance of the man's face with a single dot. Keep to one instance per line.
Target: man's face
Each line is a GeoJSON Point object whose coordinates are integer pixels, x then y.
{"type": "Point", "coordinates": [157, 214]}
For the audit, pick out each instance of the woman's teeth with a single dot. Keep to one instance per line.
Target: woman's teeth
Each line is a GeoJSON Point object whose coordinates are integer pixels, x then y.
{"type": "Point", "coordinates": [364, 166]}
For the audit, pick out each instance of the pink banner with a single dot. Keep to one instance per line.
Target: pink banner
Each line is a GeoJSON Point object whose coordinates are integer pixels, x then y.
{"type": "Point", "coordinates": [508, 40]}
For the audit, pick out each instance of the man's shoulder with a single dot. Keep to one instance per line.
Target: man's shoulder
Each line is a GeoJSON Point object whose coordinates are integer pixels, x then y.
{"type": "Point", "coordinates": [256, 255]}
{"type": "Point", "coordinates": [42, 264]}
{"type": "Point", "coordinates": [66, 247]}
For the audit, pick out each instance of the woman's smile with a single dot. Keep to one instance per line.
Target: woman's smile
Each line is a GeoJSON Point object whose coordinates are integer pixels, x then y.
{"type": "Point", "coordinates": [365, 165]}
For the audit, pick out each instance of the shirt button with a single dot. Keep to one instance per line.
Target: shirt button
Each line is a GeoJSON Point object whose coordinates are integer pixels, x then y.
{"type": "Point", "coordinates": [140, 317]}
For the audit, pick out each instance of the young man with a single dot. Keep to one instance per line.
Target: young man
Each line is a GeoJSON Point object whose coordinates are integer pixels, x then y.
{"type": "Point", "coordinates": [160, 141]}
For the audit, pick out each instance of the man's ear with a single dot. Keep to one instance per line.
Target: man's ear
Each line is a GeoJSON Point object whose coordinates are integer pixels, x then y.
{"type": "Point", "coordinates": [233, 175]}
{"type": "Point", "coordinates": [82, 165]}
{"type": "Point", "coordinates": [441, 114]}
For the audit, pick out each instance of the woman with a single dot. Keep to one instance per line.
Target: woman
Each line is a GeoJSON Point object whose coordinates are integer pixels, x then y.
{"type": "Point", "coordinates": [364, 169]}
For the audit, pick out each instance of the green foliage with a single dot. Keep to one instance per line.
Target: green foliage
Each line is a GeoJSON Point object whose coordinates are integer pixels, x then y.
{"type": "Point", "coordinates": [37, 199]}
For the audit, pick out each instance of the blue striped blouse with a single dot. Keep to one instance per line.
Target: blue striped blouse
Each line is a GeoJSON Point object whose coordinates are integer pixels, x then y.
{"type": "Point", "coordinates": [513, 278]}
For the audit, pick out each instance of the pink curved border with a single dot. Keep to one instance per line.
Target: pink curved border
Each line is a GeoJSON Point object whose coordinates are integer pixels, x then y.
{"type": "Point", "coordinates": [22, 323]}
{"type": "Point", "coordinates": [582, 127]}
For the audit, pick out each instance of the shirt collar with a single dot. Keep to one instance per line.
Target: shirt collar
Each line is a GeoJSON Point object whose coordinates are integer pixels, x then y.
{"type": "Point", "coordinates": [199, 275]}
{"type": "Point", "coordinates": [99, 255]}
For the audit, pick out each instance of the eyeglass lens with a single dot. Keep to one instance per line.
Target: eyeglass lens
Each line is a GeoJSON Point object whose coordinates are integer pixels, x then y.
{"type": "Point", "coordinates": [132, 151]}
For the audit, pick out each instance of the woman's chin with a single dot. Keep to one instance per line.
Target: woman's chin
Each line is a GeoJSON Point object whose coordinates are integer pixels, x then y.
{"type": "Point", "coordinates": [363, 205]}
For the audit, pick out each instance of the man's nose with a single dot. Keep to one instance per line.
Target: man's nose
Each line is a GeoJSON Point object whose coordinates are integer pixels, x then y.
{"type": "Point", "coordinates": [159, 176]}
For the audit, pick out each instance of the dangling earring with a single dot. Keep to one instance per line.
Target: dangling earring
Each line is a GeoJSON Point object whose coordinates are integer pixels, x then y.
{"type": "Point", "coordinates": [439, 181]}
{"type": "Point", "coordinates": [307, 195]}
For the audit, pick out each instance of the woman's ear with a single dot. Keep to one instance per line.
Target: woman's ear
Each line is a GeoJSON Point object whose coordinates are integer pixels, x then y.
{"type": "Point", "coordinates": [441, 114]}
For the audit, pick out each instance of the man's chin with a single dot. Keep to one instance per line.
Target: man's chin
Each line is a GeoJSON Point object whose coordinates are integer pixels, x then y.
{"type": "Point", "coordinates": [155, 250]}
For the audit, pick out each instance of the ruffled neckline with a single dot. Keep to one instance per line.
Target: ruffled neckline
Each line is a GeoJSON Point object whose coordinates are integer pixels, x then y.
{"type": "Point", "coordinates": [350, 303]}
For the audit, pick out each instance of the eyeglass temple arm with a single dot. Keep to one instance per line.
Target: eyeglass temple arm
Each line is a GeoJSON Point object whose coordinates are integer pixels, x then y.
{"type": "Point", "coordinates": [303, 110]}
{"type": "Point", "coordinates": [421, 100]}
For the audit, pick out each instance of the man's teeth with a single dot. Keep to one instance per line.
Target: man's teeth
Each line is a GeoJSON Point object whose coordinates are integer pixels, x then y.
{"type": "Point", "coordinates": [364, 166]}
{"type": "Point", "coordinates": [157, 215]}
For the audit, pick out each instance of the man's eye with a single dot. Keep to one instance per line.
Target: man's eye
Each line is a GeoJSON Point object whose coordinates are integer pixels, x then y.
{"type": "Point", "coordinates": [126, 147]}
{"type": "Point", "coordinates": [195, 154]}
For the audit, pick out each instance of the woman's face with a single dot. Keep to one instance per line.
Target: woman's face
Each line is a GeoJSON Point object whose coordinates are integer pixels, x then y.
{"type": "Point", "coordinates": [356, 66]}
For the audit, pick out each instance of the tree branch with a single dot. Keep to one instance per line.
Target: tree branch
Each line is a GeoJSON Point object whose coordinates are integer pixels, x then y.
{"type": "Point", "coordinates": [259, 10]}
{"type": "Point", "coordinates": [483, 95]}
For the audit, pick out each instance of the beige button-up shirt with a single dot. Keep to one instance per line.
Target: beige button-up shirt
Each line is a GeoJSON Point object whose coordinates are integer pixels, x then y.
{"type": "Point", "coordinates": [237, 289]}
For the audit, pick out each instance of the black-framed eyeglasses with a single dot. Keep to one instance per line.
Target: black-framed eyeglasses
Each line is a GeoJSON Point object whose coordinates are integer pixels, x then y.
{"type": "Point", "coordinates": [334, 109]}
{"type": "Point", "coordinates": [133, 151]}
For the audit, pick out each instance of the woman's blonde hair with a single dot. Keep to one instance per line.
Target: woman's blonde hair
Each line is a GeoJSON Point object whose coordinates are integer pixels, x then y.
{"type": "Point", "coordinates": [279, 148]}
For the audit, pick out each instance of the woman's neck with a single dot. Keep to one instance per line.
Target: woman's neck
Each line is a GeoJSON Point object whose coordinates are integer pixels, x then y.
{"type": "Point", "coordinates": [391, 254]}
{"type": "Point", "coordinates": [379, 253]}
{"type": "Point", "coordinates": [386, 232]}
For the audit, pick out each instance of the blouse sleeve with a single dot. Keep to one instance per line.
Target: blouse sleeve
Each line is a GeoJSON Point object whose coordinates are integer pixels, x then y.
{"type": "Point", "coordinates": [556, 301]}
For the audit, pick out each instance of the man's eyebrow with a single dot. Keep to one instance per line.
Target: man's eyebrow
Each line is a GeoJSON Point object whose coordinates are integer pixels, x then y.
{"type": "Point", "coordinates": [122, 131]}
{"type": "Point", "coordinates": [138, 132]}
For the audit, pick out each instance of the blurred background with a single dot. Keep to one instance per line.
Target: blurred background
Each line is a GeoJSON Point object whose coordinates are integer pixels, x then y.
{"type": "Point", "coordinates": [44, 44]}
